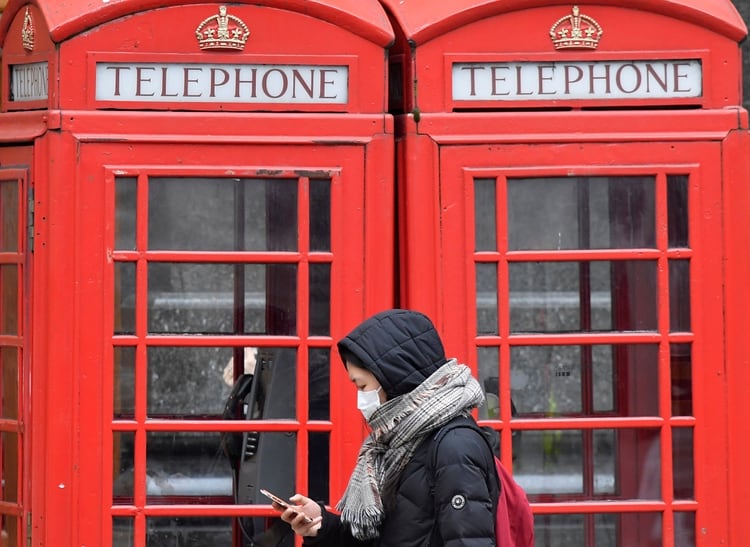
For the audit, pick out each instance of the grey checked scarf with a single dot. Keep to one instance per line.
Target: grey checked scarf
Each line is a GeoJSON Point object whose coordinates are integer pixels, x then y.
{"type": "Point", "coordinates": [398, 427]}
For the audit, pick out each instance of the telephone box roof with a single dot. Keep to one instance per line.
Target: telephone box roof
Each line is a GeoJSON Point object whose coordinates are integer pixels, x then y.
{"type": "Point", "coordinates": [66, 18]}
{"type": "Point", "coordinates": [423, 20]}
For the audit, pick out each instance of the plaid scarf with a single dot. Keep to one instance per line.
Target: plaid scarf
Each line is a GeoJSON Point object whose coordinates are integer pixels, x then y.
{"type": "Point", "coordinates": [398, 427]}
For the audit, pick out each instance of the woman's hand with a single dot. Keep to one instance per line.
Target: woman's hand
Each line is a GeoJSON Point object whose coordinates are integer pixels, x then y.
{"type": "Point", "coordinates": [304, 516]}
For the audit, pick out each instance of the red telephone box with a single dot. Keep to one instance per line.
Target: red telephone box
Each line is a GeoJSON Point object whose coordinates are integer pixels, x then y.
{"type": "Point", "coordinates": [574, 200]}
{"type": "Point", "coordinates": [193, 196]}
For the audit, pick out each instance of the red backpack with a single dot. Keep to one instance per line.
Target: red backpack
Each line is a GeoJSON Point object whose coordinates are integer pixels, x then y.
{"type": "Point", "coordinates": [514, 521]}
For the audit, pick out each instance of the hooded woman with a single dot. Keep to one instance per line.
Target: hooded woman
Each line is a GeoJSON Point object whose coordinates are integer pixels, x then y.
{"type": "Point", "coordinates": [402, 494]}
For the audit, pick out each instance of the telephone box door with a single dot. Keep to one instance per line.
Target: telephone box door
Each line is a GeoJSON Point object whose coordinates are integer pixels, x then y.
{"type": "Point", "coordinates": [587, 268]}
{"type": "Point", "coordinates": [221, 261]}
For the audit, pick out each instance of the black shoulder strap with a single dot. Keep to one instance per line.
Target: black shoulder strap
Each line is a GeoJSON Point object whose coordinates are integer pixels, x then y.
{"type": "Point", "coordinates": [461, 421]}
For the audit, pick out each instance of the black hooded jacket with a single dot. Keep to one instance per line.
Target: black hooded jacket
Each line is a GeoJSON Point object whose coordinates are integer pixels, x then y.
{"type": "Point", "coordinates": [444, 497]}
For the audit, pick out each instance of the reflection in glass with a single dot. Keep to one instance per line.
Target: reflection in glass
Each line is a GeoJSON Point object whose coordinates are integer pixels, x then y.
{"type": "Point", "coordinates": [200, 298]}
{"type": "Point", "coordinates": [320, 299]}
{"type": "Point", "coordinates": [586, 380]}
{"type": "Point", "coordinates": [189, 382]}
{"type": "Point", "coordinates": [599, 529]}
{"type": "Point", "coordinates": [487, 317]}
{"type": "Point", "coordinates": [124, 382]}
{"type": "Point", "coordinates": [124, 297]}
{"type": "Point", "coordinates": [320, 215]}
{"type": "Point", "coordinates": [10, 311]}
{"type": "Point", "coordinates": [189, 466]}
{"type": "Point", "coordinates": [567, 465]}
{"type": "Point", "coordinates": [9, 215]}
{"type": "Point", "coordinates": [9, 453]}
{"type": "Point", "coordinates": [122, 532]}
{"type": "Point", "coordinates": [677, 210]}
{"type": "Point", "coordinates": [319, 367]}
{"type": "Point", "coordinates": [318, 464]}
{"type": "Point", "coordinates": [222, 214]}
{"type": "Point", "coordinates": [10, 402]}
{"type": "Point", "coordinates": [681, 365]}
{"type": "Point", "coordinates": [683, 463]}
{"type": "Point", "coordinates": [186, 382]}
{"type": "Point", "coordinates": [189, 532]}
{"type": "Point", "coordinates": [124, 465]}
{"type": "Point", "coordinates": [567, 297]}
{"type": "Point", "coordinates": [125, 213]}
{"type": "Point", "coordinates": [679, 296]}
{"type": "Point", "coordinates": [488, 372]}
{"type": "Point", "coordinates": [684, 529]}
{"type": "Point", "coordinates": [485, 215]}
{"type": "Point", "coordinates": [581, 213]}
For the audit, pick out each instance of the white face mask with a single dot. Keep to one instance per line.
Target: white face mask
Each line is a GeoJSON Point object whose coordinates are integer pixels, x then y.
{"type": "Point", "coordinates": [368, 402]}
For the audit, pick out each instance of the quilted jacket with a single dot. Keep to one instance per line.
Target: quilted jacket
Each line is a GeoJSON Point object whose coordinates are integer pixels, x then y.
{"type": "Point", "coordinates": [445, 503]}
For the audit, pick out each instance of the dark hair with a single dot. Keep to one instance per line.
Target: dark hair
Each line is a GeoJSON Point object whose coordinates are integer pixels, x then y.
{"type": "Point", "coordinates": [349, 357]}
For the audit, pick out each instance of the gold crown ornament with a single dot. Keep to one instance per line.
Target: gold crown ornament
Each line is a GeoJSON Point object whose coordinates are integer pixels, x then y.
{"type": "Point", "coordinates": [222, 31]}
{"type": "Point", "coordinates": [576, 31]}
{"type": "Point", "coordinates": [27, 31]}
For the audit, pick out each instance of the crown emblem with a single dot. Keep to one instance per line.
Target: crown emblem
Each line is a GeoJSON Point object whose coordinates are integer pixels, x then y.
{"type": "Point", "coordinates": [27, 32]}
{"type": "Point", "coordinates": [576, 31]}
{"type": "Point", "coordinates": [222, 31]}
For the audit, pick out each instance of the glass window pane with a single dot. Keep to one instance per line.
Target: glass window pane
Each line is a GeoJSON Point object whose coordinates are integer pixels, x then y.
{"type": "Point", "coordinates": [318, 465]}
{"type": "Point", "coordinates": [320, 215]}
{"type": "Point", "coordinates": [124, 465]}
{"type": "Point", "coordinates": [10, 221]}
{"type": "Point", "coordinates": [122, 532]}
{"type": "Point", "coordinates": [319, 368]}
{"type": "Point", "coordinates": [683, 463]}
{"type": "Point", "coordinates": [555, 465]}
{"type": "Point", "coordinates": [10, 402]}
{"type": "Point", "coordinates": [320, 299]}
{"type": "Point", "coordinates": [677, 210]}
{"type": "Point", "coordinates": [679, 296]}
{"type": "Point", "coordinates": [124, 297]}
{"type": "Point", "coordinates": [682, 379]}
{"type": "Point", "coordinates": [487, 311]}
{"type": "Point", "coordinates": [186, 467]}
{"type": "Point", "coordinates": [9, 454]}
{"type": "Point", "coordinates": [581, 213]}
{"type": "Point", "coordinates": [9, 296]}
{"type": "Point", "coordinates": [488, 373]}
{"type": "Point", "coordinates": [585, 380]}
{"type": "Point", "coordinates": [124, 383]}
{"type": "Point", "coordinates": [125, 213]}
{"type": "Point", "coordinates": [600, 529]}
{"type": "Point", "coordinates": [201, 372]}
{"type": "Point", "coordinates": [207, 298]}
{"type": "Point", "coordinates": [189, 532]}
{"type": "Point", "coordinates": [222, 214]}
{"type": "Point", "coordinates": [583, 297]}
{"type": "Point", "coordinates": [684, 529]}
{"type": "Point", "coordinates": [485, 215]}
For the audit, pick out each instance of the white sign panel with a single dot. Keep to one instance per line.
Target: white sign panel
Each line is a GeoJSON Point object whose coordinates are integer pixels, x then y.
{"type": "Point", "coordinates": [29, 82]}
{"type": "Point", "coordinates": [222, 83]}
{"type": "Point", "coordinates": [568, 80]}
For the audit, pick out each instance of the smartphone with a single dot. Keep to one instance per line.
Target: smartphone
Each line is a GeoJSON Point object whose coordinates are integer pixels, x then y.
{"type": "Point", "coordinates": [285, 504]}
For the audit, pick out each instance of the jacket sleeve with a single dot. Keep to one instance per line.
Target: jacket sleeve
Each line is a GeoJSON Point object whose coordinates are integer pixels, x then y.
{"type": "Point", "coordinates": [334, 533]}
{"type": "Point", "coordinates": [463, 470]}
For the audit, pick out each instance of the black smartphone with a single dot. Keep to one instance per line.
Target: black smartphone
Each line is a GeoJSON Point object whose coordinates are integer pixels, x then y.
{"type": "Point", "coordinates": [285, 504]}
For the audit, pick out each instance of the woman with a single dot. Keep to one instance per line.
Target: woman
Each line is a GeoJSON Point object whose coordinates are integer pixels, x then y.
{"type": "Point", "coordinates": [400, 493]}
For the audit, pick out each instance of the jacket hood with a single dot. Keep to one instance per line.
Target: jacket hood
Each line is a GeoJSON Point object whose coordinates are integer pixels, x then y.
{"type": "Point", "coordinates": [401, 348]}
